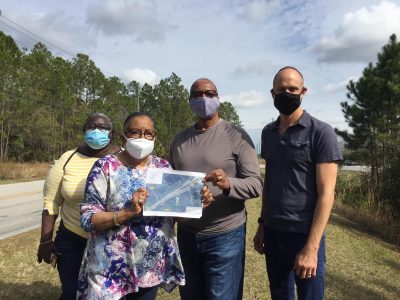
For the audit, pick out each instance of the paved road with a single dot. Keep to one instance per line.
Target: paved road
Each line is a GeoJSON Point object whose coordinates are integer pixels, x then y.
{"type": "Point", "coordinates": [362, 169]}
{"type": "Point", "coordinates": [21, 207]}
{"type": "Point", "coordinates": [21, 204]}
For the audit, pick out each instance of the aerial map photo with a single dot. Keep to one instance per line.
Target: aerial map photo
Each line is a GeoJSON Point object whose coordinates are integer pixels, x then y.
{"type": "Point", "coordinates": [173, 193]}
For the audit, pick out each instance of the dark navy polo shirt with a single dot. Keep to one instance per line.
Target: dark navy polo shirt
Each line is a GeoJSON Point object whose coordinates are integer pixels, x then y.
{"type": "Point", "coordinates": [290, 188]}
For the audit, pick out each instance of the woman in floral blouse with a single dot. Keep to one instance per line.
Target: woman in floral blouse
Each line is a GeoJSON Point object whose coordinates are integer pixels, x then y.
{"type": "Point", "coordinates": [127, 256]}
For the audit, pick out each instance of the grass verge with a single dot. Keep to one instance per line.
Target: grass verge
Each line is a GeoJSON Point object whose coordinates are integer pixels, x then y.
{"type": "Point", "coordinates": [352, 202]}
{"type": "Point", "coordinates": [16, 171]}
{"type": "Point", "coordinates": [359, 266]}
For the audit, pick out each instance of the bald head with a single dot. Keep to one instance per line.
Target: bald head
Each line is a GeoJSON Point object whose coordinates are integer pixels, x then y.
{"type": "Point", "coordinates": [288, 71]}
{"type": "Point", "coordinates": [288, 79]}
{"type": "Point", "coordinates": [203, 84]}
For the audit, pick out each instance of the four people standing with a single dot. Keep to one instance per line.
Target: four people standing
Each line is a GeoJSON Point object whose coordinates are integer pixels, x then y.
{"type": "Point", "coordinates": [130, 256]}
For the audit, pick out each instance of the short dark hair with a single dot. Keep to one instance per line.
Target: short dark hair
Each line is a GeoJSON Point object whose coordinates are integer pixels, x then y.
{"type": "Point", "coordinates": [287, 67]}
{"type": "Point", "coordinates": [135, 114]}
{"type": "Point", "coordinates": [98, 115]}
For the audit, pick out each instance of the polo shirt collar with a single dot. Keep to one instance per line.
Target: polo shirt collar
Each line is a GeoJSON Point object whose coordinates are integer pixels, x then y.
{"type": "Point", "coordinates": [275, 125]}
{"type": "Point", "coordinates": [304, 120]}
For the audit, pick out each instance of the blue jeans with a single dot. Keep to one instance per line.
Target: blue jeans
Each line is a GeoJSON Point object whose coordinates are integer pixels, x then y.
{"type": "Point", "coordinates": [71, 247]}
{"type": "Point", "coordinates": [214, 264]}
{"type": "Point", "coordinates": [143, 294]}
{"type": "Point", "coordinates": [281, 249]}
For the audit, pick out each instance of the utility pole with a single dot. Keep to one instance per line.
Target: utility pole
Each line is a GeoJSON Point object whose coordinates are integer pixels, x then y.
{"type": "Point", "coordinates": [138, 96]}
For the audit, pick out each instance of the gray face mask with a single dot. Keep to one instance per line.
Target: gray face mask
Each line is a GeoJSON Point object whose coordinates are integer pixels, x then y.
{"type": "Point", "coordinates": [204, 107]}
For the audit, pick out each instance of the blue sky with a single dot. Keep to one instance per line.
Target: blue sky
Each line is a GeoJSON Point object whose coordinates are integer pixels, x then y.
{"type": "Point", "coordinates": [239, 44]}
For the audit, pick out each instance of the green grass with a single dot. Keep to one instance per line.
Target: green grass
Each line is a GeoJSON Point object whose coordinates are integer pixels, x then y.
{"type": "Point", "coordinates": [359, 266]}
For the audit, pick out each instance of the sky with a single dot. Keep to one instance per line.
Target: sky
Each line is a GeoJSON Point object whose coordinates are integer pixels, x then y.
{"type": "Point", "coordinates": [238, 44]}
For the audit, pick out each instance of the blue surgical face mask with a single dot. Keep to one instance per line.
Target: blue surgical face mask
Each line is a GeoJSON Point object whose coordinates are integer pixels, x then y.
{"type": "Point", "coordinates": [204, 107]}
{"type": "Point", "coordinates": [97, 139]}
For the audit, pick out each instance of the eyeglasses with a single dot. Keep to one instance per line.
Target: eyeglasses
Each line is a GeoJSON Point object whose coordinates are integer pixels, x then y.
{"type": "Point", "coordinates": [208, 93]}
{"type": "Point", "coordinates": [136, 133]}
{"type": "Point", "coordinates": [101, 127]}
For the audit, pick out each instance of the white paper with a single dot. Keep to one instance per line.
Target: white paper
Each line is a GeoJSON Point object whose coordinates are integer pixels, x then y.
{"type": "Point", "coordinates": [173, 193]}
{"type": "Point", "coordinates": [154, 177]}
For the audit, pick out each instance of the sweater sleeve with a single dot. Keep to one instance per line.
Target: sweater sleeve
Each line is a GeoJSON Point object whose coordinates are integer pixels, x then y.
{"type": "Point", "coordinates": [52, 196]}
{"type": "Point", "coordinates": [248, 182]}
{"type": "Point", "coordinates": [95, 195]}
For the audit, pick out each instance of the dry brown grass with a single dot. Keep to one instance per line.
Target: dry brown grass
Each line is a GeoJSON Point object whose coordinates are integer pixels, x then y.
{"type": "Point", "coordinates": [372, 223]}
{"type": "Point", "coordinates": [359, 266]}
{"type": "Point", "coordinates": [352, 203]}
{"type": "Point", "coordinates": [17, 171]}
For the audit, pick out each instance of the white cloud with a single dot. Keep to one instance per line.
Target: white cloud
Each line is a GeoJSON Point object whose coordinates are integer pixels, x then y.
{"type": "Point", "coordinates": [136, 19]}
{"type": "Point", "coordinates": [337, 87]}
{"type": "Point", "coordinates": [258, 10]}
{"type": "Point", "coordinates": [261, 67]}
{"type": "Point", "coordinates": [142, 76]}
{"type": "Point", "coordinates": [245, 99]}
{"type": "Point", "coordinates": [361, 34]}
{"type": "Point", "coordinates": [57, 28]}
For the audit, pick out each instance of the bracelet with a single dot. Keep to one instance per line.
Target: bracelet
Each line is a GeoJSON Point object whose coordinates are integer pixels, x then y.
{"type": "Point", "coordinates": [46, 242]}
{"type": "Point", "coordinates": [117, 222]}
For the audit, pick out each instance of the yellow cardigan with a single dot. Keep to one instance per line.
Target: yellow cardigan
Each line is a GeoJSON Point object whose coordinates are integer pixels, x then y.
{"type": "Point", "coordinates": [65, 189]}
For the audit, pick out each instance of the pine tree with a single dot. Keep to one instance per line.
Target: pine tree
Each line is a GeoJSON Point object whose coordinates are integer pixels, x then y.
{"type": "Point", "coordinates": [45, 99]}
{"type": "Point", "coordinates": [373, 113]}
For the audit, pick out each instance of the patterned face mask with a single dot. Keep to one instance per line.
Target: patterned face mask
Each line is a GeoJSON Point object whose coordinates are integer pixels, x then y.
{"type": "Point", "coordinates": [204, 107]}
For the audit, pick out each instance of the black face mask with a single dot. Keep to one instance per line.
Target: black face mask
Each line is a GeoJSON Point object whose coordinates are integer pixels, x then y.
{"type": "Point", "coordinates": [287, 103]}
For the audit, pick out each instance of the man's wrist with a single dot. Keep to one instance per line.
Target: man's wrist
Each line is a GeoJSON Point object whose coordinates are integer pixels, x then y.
{"type": "Point", "coordinates": [226, 192]}
{"type": "Point", "coordinates": [311, 247]}
{"type": "Point", "coordinates": [227, 189]}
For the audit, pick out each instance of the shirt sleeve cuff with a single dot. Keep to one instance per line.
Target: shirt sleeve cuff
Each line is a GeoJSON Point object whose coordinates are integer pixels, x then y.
{"type": "Point", "coordinates": [53, 210]}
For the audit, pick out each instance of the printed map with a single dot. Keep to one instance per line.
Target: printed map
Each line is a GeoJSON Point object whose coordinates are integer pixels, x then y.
{"type": "Point", "coordinates": [173, 193]}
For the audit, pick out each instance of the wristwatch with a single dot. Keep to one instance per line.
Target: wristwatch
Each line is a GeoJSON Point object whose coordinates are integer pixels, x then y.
{"type": "Point", "coordinates": [260, 221]}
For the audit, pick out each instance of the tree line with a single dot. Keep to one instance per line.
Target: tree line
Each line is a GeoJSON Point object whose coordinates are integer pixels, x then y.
{"type": "Point", "coordinates": [372, 111]}
{"type": "Point", "coordinates": [44, 100]}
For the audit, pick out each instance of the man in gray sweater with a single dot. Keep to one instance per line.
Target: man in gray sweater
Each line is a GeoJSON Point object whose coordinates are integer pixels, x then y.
{"type": "Point", "coordinates": [213, 247]}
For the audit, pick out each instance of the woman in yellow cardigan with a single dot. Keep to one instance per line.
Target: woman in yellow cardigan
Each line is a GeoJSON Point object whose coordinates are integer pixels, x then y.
{"type": "Point", "coordinates": [63, 193]}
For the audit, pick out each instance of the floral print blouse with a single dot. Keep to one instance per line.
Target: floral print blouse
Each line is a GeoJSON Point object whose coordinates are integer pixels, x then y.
{"type": "Point", "coordinates": [141, 253]}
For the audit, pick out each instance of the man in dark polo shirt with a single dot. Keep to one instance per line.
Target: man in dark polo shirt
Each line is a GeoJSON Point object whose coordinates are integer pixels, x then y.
{"type": "Point", "coordinates": [301, 154]}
